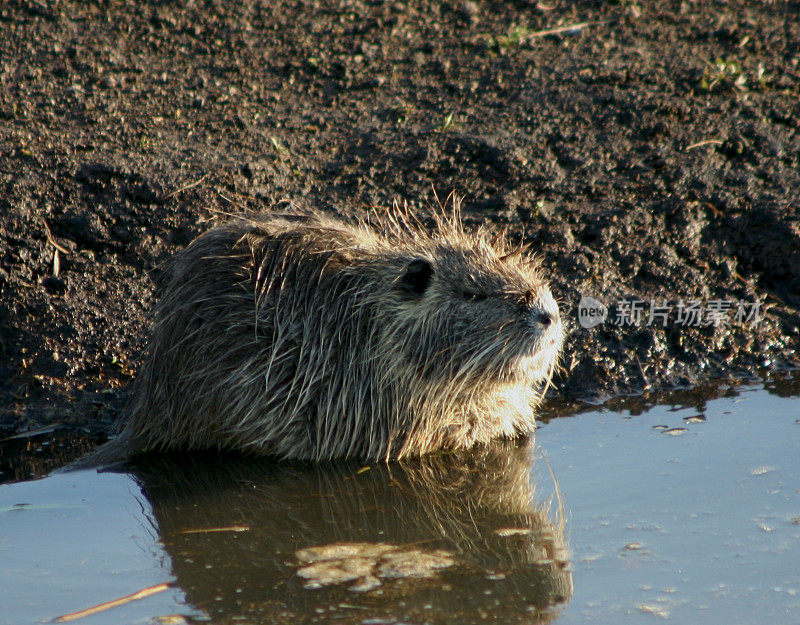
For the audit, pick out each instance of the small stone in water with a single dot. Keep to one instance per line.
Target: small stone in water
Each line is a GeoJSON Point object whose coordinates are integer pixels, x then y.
{"type": "Point", "coordinates": [366, 563]}
{"type": "Point", "coordinates": [653, 609]}
{"type": "Point", "coordinates": [337, 551]}
{"type": "Point", "coordinates": [364, 584]}
{"type": "Point", "coordinates": [336, 571]}
{"type": "Point", "coordinates": [414, 563]}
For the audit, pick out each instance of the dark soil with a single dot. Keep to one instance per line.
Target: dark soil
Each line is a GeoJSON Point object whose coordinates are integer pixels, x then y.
{"type": "Point", "coordinates": [651, 152]}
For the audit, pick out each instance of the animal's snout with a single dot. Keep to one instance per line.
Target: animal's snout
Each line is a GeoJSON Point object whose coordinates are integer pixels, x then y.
{"type": "Point", "coordinates": [540, 311]}
{"type": "Point", "coordinates": [545, 318]}
{"type": "Point", "coordinates": [541, 317]}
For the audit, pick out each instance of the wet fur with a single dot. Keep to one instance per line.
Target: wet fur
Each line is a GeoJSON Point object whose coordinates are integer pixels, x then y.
{"type": "Point", "coordinates": [306, 337]}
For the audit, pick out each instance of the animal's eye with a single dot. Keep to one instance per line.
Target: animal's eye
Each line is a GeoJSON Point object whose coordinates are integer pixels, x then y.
{"type": "Point", "coordinates": [474, 296]}
{"type": "Point", "coordinates": [417, 277]}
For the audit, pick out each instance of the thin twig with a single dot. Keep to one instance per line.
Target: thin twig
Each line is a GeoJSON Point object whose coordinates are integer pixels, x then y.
{"type": "Point", "coordinates": [230, 201]}
{"type": "Point", "coordinates": [24, 282]}
{"type": "Point", "coordinates": [52, 240]}
{"type": "Point", "coordinates": [145, 592]}
{"type": "Point", "coordinates": [560, 29]}
{"type": "Point", "coordinates": [185, 187]}
{"type": "Point", "coordinates": [738, 276]}
{"type": "Point", "coordinates": [35, 432]}
{"type": "Point", "coordinates": [702, 143]}
{"type": "Point", "coordinates": [209, 530]}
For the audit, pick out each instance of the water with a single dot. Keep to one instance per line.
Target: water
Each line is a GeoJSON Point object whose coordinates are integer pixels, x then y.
{"type": "Point", "coordinates": [685, 512]}
{"type": "Point", "coordinates": [708, 508]}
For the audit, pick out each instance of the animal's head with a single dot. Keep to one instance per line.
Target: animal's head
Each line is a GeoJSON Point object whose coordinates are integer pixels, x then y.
{"type": "Point", "coordinates": [471, 308]}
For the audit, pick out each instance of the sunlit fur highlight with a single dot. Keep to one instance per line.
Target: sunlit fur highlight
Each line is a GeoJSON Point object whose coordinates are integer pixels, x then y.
{"type": "Point", "coordinates": [290, 335]}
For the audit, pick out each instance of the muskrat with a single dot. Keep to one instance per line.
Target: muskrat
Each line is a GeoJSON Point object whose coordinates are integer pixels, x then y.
{"type": "Point", "coordinates": [303, 336]}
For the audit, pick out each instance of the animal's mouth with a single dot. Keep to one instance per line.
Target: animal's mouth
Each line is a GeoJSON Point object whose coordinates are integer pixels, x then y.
{"type": "Point", "coordinates": [544, 346]}
{"type": "Point", "coordinates": [538, 357]}
{"type": "Point", "coordinates": [536, 368]}
{"type": "Point", "coordinates": [529, 358]}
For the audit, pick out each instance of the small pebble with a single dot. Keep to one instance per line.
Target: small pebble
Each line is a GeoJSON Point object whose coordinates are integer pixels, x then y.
{"type": "Point", "coordinates": [365, 584]}
{"type": "Point", "coordinates": [653, 609]}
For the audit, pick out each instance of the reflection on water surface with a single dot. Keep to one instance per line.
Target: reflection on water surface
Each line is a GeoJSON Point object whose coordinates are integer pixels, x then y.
{"type": "Point", "coordinates": [686, 511]}
{"type": "Point", "coordinates": [445, 538]}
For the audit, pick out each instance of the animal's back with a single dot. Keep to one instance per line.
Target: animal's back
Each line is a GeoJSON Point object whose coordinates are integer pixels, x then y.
{"type": "Point", "coordinates": [232, 332]}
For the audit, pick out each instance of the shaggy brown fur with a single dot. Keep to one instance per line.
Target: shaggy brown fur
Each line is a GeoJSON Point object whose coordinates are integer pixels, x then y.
{"type": "Point", "coordinates": [305, 337]}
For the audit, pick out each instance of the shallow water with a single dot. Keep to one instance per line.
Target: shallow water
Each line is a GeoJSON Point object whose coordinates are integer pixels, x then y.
{"type": "Point", "coordinates": [687, 512]}
{"type": "Point", "coordinates": [689, 515]}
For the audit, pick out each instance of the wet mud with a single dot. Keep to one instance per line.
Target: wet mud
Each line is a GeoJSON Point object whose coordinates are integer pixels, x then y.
{"type": "Point", "coordinates": [648, 152]}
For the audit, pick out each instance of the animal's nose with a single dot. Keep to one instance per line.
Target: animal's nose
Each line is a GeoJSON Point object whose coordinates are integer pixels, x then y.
{"type": "Point", "coordinates": [537, 311]}
{"type": "Point", "coordinates": [544, 318]}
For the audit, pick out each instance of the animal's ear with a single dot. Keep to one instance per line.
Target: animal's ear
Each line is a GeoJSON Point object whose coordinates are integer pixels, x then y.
{"type": "Point", "coordinates": [417, 277]}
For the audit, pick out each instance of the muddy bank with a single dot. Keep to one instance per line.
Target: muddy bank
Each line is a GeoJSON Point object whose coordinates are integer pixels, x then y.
{"type": "Point", "coordinates": [649, 152]}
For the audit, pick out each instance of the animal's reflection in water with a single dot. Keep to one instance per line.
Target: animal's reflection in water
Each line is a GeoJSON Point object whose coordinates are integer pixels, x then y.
{"type": "Point", "coordinates": [452, 538]}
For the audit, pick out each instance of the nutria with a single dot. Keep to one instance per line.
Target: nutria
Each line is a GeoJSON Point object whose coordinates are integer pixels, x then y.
{"type": "Point", "coordinates": [303, 336]}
